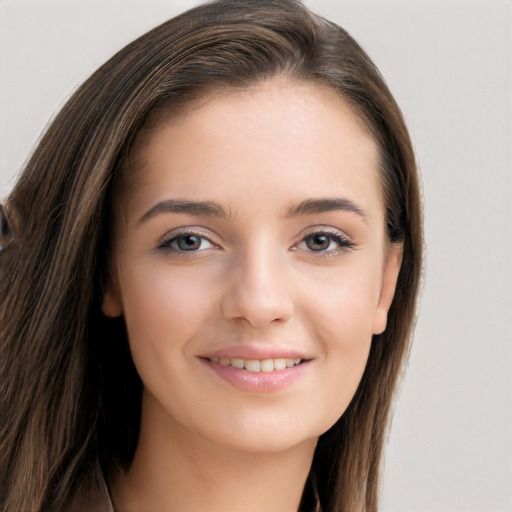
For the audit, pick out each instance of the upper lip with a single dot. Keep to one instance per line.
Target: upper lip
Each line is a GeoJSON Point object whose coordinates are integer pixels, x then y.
{"type": "Point", "coordinates": [256, 352]}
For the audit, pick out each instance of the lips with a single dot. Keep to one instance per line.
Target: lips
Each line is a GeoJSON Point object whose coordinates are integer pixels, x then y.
{"type": "Point", "coordinates": [254, 351]}
{"type": "Point", "coordinates": [257, 369]}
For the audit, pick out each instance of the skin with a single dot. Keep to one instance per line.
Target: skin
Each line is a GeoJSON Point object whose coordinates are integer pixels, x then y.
{"type": "Point", "coordinates": [257, 277]}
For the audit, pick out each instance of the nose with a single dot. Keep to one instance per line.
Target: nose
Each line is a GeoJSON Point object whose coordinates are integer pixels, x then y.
{"type": "Point", "coordinates": [259, 290]}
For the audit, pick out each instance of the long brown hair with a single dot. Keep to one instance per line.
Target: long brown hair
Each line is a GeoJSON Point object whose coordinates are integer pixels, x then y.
{"type": "Point", "coordinates": [70, 396]}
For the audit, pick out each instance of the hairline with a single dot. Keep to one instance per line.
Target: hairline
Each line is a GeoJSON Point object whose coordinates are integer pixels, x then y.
{"type": "Point", "coordinates": [126, 177]}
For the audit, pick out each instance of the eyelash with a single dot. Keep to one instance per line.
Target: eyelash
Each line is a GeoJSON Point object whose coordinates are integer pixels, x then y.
{"type": "Point", "coordinates": [167, 244]}
{"type": "Point", "coordinates": [343, 243]}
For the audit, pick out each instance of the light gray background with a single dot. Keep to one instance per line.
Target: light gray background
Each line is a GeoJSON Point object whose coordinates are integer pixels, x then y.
{"type": "Point", "coordinates": [449, 65]}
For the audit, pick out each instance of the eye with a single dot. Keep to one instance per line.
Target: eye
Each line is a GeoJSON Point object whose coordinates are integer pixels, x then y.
{"type": "Point", "coordinates": [325, 242]}
{"type": "Point", "coordinates": [187, 242]}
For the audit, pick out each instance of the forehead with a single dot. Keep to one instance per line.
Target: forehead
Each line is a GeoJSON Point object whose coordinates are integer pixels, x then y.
{"type": "Point", "coordinates": [275, 135]}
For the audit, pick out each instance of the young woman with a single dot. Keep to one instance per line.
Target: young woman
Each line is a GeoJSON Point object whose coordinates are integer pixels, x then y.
{"type": "Point", "coordinates": [209, 272]}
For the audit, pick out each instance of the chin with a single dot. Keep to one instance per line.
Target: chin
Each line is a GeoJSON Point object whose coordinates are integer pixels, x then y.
{"type": "Point", "coordinates": [260, 437]}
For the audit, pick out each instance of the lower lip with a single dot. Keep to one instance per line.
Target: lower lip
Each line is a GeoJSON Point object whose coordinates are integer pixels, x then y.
{"type": "Point", "coordinates": [258, 382]}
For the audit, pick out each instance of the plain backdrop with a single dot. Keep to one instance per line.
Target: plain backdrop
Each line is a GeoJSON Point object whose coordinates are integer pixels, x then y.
{"type": "Point", "coordinates": [449, 65]}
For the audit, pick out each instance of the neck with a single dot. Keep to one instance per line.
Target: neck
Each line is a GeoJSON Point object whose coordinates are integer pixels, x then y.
{"type": "Point", "coordinates": [174, 469]}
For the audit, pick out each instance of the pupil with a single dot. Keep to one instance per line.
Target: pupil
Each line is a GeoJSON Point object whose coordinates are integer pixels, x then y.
{"type": "Point", "coordinates": [318, 242]}
{"type": "Point", "coordinates": [189, 242]}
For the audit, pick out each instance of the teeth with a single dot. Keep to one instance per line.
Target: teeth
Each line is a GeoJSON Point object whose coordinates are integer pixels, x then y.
{"type": "Point", "coordinates": [256, 365]}
{"type": "Point", "coordinates": [267, 365]}
{"type": "Point", "coordinates": [253, 365]}
{"type": "Point", "coordinates": [279, 364]}
{"type": "Point", "coordinates": [237, 363]}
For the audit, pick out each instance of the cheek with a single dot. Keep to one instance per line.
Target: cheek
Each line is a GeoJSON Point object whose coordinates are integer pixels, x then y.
{"type": "Point", "coordinates": [340, 319]}
{"type": "Point", "coordinates": [342, 304]}
{"type": "Point", "coordinates": [163, 310]}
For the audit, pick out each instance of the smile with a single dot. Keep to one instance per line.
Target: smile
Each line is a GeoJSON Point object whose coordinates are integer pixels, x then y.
{"type": "Point", "coordinates": [257, 375]}
{"type": "Point", "coordinates": [256, 365]}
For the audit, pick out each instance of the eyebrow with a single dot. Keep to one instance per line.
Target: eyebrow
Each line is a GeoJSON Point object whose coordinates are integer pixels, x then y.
{"type": "Point", "coordinates": [203, 208]}
{"type": "Point", "coordinates": [328, 204]}
{"type": "Point", "coordinates": [213, 209]}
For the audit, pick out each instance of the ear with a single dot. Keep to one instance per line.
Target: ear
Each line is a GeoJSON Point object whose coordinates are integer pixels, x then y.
{"type": "Point", "coordinates": [387, 291]}
{"type": "Point", "coordinates": [111, 302]}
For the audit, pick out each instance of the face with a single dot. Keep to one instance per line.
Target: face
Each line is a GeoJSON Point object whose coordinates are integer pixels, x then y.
{"type": "Point", "coordinates": [251, 266]}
